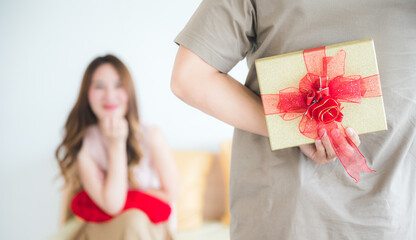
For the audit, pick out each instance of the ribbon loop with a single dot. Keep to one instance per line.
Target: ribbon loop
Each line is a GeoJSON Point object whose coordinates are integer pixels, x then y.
{"type": "Point", "coordinates": [310, 98]}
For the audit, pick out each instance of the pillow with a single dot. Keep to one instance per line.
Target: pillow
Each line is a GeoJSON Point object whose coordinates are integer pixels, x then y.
{"type": "Point", "coordinates": [215, 193]}
{"type": "Point", "coordinates": [193, 167]}
{"type": "Point", "coordinates": [225, 160]}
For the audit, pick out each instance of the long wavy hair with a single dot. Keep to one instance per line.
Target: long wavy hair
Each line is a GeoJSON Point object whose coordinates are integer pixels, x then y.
{"type": "Point", "coordinates": [82, 116]}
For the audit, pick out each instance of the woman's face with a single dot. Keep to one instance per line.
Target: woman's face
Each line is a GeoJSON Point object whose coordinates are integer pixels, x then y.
{"type": "Point", "coordinates": [106, 95]}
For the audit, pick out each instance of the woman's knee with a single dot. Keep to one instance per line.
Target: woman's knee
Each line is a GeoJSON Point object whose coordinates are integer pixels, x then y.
{"type": "Point", "coordinates": [134, 218]}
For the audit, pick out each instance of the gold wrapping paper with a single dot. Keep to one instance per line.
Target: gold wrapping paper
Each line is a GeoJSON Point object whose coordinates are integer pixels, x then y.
{"type": "Point", "coordinates": [279, 72]}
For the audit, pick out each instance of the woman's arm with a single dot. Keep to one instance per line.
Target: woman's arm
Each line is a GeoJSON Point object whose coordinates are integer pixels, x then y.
{"type": "Point", "coordinates": [110, 194]}
{"type": "Point", "coordinates": [165, 166]}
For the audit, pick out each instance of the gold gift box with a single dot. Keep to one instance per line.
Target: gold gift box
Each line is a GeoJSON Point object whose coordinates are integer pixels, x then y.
{"type": "Point", "coordinates": [279, 72]}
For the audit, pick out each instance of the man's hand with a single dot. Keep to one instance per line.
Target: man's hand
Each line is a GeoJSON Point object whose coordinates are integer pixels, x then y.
{"type": "Point", "coordinates": [322, 151]}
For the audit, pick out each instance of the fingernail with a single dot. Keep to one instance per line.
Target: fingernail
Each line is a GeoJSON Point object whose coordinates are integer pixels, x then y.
{"type": "Point", "coordinates": [322, 132]}
{"type": "Point", "coordinates": [350, 132]}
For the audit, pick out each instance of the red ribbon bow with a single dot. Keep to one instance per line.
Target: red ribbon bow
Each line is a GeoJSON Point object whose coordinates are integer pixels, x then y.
{"type": "Point", "coordinates": [318, 99]}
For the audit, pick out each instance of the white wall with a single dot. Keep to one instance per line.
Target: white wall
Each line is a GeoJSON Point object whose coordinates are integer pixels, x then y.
{"type": "Point", "coordinates": [45, 46]}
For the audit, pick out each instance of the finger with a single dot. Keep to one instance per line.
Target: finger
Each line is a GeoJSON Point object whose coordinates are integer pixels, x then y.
{"type": "Point", "coordinates": [307, 149]}
{"type": "Point", "coordinates": [320, 155]}
{"type": "Point", "coordinates": [330, 153]}
{"type": "Point", "coordinates": [106, 123]}
{"type": "Point", "coordinates": [353, 136]}
{"type": "Point", "coordinates": [341, 143]}
{"type": "Point", "coordinates": [311, 152]}
{"type": "Point", "coordinates": [113, 123]}
{"type": "Point", "coordinates": [319, 146]}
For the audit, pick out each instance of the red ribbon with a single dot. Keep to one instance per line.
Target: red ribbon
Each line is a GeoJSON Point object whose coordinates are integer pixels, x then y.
{"type": "Point", "coordinates": [318, 100]}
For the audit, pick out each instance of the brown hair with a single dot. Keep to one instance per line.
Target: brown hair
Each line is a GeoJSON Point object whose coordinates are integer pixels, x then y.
{"type": "Point", "coordinates": [82, 116]}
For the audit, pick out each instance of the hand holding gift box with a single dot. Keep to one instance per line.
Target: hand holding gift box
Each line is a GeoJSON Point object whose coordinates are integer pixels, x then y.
{"type": "Point", "coordinates": [326, 77]}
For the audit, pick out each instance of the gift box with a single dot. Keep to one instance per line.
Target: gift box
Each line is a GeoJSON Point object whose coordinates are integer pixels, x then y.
{"type": "Point", "coordinates": [336, 84]}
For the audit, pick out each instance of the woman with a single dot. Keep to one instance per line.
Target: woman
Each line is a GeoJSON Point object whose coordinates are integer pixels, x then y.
{"type": "Point", "coordinates": [106, 152]}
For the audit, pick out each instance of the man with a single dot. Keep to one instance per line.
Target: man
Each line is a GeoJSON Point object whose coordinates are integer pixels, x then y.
{"type": "Point", "coordinates": [283, 194]}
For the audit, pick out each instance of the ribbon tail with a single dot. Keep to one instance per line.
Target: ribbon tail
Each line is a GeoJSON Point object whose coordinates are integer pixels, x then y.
{"type": "Point", "coordinates": [346, 151]}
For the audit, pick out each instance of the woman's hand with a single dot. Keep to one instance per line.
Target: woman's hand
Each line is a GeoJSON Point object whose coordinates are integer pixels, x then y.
{"type": "Point", "coordinates": [114, 129]}
{"type": "Point", "coordinates": [322, 151]}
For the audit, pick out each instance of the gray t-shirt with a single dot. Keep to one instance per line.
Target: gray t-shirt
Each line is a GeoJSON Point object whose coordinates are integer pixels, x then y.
{"type": "Point", "coordinates": [283, 194]}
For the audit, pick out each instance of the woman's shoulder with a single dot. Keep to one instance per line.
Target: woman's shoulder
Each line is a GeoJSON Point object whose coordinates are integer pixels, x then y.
{"type": "Point", "coordinates": [150, 133]}
{"type": "Point", "coordinates": [150, 139]}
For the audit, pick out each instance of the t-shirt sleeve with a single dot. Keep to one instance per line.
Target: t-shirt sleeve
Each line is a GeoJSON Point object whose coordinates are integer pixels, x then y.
{"type": "Point", "coordinates": [221, 32]}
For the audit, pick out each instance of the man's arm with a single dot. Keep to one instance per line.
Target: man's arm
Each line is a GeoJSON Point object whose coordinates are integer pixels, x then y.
{"type": "Point", "coordinates": [219, 95]}
{"type": "Point", "coordinates": [215, 93]}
